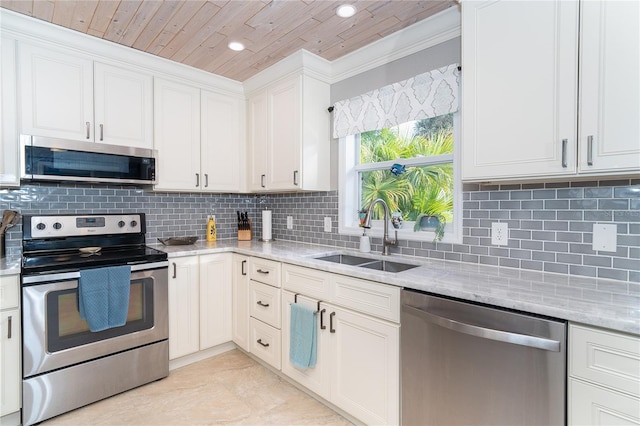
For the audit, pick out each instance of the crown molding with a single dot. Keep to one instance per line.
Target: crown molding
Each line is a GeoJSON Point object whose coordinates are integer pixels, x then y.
{"type": "Point", "coordinates": [414, 38]}
{"type": "Point", "coordinates": [29, 29]}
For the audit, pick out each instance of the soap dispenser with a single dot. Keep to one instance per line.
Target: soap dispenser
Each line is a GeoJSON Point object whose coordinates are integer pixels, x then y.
{"type": "Point", "coordinates": [211, 229]}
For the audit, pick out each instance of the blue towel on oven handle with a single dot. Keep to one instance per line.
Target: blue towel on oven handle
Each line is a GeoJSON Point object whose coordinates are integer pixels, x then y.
{"type": "Point", "coordinates": [303, 339]}
{"type": "Point", "coordinates": [103, 296]}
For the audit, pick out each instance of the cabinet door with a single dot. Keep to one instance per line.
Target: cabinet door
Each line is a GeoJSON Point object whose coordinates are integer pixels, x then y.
{"type": "Point", "coordinates": [240, 301]}
{"type": "Point", "coordinates": [9, 174]}
{"type": "Point", "coordinates": [519, 91]}
{"type": "Point", "coordinates": [177, 135]}
{"type": "Point", "coordinates": [365, 380]}
{"type": "Point", "coordinates": [215, 299]}
{"type": "Point", "coordinates": [221, 143]}
{"type": "Point", "coordinates": [56, 93]}
{"type": "Point", "coordinates": [283, 155]}
{"type": "Point", "coordinates": [257, 137]}
{"type": "Point", "coordinates": [598, 406]}
{"type": "Point", "coordinates": [316, 379]}
{"type": "Point", "coordinates": [10, 370]}
{"type": "Point", "coordinates": [610, 87]}
{"type": "Point", "coordinates": [123, 106]}
{"type": "Point", "coordinates": [184, 307]}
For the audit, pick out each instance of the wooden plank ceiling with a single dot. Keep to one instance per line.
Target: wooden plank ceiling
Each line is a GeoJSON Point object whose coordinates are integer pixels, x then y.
{"type": "Point", "coordinates": [196, 32]}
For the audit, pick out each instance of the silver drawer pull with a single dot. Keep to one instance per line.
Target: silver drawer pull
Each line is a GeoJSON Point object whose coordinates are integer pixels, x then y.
{"type": "Point", "coordinates": [266, 345]}
{"type": "Point", "coordinates": [10, 327]}
{"type": "Point", "coordinates": [260, 271]}
{"type": "Point", "coordinates": [564, 152]}
{"type": "Point", "coordinates": [590, 150]}
{"type": "Point", "coordinates": [264, 305]}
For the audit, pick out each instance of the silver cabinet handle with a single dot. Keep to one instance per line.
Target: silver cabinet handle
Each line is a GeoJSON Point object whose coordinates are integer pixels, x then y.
{"type": "Point", "coordinates": [260, 271]}
{"type": "Point", "coordinates": [88, 129]}
{"type": "Point", "coordinates": [331, 329]}
{"type": "Point", "coordinates": [266, 345]}
{"type": "Point", "coordinates": [242, 271]}
{"type": "Point", "coordinates": [262, 180]}
{"type": "Point", "coordinates": [197, 180]}
{"type": "Point", "coordinates": [264, 305]}
{"type": "Point", "coordinates": [590, 150]}
{"type": "Point", "coordinates": [175, 271]}
{"type": "Point", "coordinates": [10, 327]}
{"type": "Point", "coordinates": [206, 180]}
{"type": "Point", "coordinates": [485, 333]}
{"type": "Point", "coordinates": [564, 152]}
{"type": "Point", "coordinates": [295, 177]}
{"type": "Point", "coordinates": [102, 132]}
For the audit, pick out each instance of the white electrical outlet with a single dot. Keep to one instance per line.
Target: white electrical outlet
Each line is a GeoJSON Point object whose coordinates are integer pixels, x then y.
{"type": "Point", "coordinates": [289, 222]}
{"type": "Point", "coordinates": [499, 233]}
{"type": "Point", "coordinates": [327, 224]}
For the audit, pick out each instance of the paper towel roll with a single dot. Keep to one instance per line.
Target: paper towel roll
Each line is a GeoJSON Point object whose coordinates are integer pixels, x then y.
{"type": "Point", "coordinates": [266, 225]}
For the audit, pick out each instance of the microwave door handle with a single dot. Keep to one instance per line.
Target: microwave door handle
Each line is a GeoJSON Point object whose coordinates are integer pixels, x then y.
{"type": "Point", "coordinates": [485, 333]}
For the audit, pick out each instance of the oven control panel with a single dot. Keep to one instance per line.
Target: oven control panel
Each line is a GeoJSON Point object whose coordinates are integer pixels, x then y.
{"type": "Point", "coordinates": [79, 225]}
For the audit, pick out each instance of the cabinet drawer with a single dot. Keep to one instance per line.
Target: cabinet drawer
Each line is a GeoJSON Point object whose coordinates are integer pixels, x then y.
{"type": "Point", "coordinates": [264, 303]}
{"type": "Point", "coordinates": [594, 405]}
{"type": "Point", "coordinates": [9, 291]}
{"type": "Point", "coordinates": [265, 343]}
{"type": "Point", "coordinates": [379, 300]}
{"type": "Point", "coordinates": [605, 357]}
{"type": "Point", "coordinates": [264, 271]}
{"type": "Point", "coordinates": [309, 282]}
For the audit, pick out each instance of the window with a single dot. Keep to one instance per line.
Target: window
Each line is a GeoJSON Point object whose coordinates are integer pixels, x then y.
{"type": "Point", "coordinates": [412, 168]}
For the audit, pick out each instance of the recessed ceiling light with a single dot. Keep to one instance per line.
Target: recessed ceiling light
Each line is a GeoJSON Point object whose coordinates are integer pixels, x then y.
{"type": "Point", "coordinates": [236, 45]}
{"type": "Point", "coordinates": [346, 11]}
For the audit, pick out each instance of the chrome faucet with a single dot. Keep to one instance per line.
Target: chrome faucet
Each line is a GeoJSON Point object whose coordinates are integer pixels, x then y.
{"type": "Point", "coordinates": [386, 242]}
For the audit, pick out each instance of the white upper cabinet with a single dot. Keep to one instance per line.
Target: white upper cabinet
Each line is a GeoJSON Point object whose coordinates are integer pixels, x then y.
{"type": "Point", "coordinates": [61, 97]}
{"type": "Point", "coordinates": [9, 174]}
{"type": "Point", "coordinates": [288, 129]}
{"type": "Point", "coordinates": [525, 113]}
{"type": "Point", "coordinates": [609, 86]}
{"type": "Point", "coordinates": [519, 111]}
{"type": "Point", "coordinates": [177, 135]}
{"type": "Point", "coordinates": [199, 138]}
{"type": "Point", "coordinates": [123, 106]}
{"type": "Point", "coordinates": [56, 93]}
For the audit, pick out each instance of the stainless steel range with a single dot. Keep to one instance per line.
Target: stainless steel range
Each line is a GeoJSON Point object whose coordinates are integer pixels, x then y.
{"type": "Point", "coordinates": [65, 364]}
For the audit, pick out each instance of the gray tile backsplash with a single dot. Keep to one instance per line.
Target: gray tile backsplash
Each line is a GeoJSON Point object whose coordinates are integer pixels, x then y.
{"type": "Point", "coordinates": [550, 225]}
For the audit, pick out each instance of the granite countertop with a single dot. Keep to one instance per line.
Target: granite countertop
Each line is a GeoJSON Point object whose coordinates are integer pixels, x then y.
{"type": "Point", "coordinates": [599, 302]}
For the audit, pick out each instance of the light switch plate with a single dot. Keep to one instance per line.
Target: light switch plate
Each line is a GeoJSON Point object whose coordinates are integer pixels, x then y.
{"type": "Point", "coordinates": [327, 224]}
{"type": "Point", "coordinates": [289, 222]}
{"type": "Point", "coordinates": [605, 237]}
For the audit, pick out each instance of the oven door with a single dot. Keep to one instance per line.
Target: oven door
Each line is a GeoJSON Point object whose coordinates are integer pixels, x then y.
{"type": "Point", "coordinates": [54, 335]}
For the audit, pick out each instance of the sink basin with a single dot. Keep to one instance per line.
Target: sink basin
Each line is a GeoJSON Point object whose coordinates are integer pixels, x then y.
{"type": "Point", "coordinates": [388, 266]}
{"type": "Point", "coordinates": [345, 259]}
{"type": "Point", "coordinates": [365, 262]}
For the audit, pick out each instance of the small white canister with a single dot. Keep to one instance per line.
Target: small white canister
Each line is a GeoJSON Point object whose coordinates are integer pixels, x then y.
{"type": "Point", "coordinates": [365, 244]}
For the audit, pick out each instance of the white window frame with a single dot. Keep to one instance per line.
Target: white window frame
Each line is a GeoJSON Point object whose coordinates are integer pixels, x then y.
{"type": "Point", "coordinates": [349, 192]}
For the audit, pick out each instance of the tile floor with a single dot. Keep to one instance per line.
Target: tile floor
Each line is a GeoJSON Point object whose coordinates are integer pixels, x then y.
{"type": "Point", "coordinates": [230, 388]}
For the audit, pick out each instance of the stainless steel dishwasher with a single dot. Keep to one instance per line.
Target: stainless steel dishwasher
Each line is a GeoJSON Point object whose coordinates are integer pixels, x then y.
{"type": "Point", "coordinates": [469, 364]}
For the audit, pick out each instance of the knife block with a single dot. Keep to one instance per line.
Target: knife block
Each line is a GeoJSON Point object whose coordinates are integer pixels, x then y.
{"type": "Point", "coordinates": [245, 234]}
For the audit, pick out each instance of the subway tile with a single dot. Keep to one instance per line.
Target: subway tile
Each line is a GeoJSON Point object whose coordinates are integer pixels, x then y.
{"type": "Point", "coordinates": [509, 262]}
{"type": "Point", "coordinates": [575, 259]}
{"type": "Point", "coordinates": [613, 204]}
{"type": "Point", "coordinates": [556, 204]}
{"type": "Point", "coordinates": [556, 247]}
{"type": "Point", "coordinates": [556, 226]}
{"type": "Point", "coordinates": [531, 245]}
{"type": "Point", "coordinates": [585, 204]}
{"type": "Point", "coordinates": [585, 271]}
{"type": "Point", "coordinates": [531, 265]}
{"type": "Point", "coordinates": [532, 205]}
{"type": "Point", "coordinates": [545, 194]}
{"type": "Point", "coordinates": [569, 215]}
{"type": "Point", "coordinates": [627, 192]}
{"type": "Point", "coordinates": [520, 195]}
{"type": "Point", "coordinates": [615, 274]}
{"type": "Point", "coordinates": [570, 193]}
{"type": "Point", "coordinates": [545, 214]}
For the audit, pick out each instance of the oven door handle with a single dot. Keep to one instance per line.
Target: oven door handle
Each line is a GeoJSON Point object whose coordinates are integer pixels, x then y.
{"type": "Point", "coordinates": [33, 279]}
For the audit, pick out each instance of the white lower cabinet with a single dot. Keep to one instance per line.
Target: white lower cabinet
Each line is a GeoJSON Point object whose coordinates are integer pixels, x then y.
{"type": "Point", "coordinates": [604, 377]}
{"type": "Point", "coordinates": [358, 341]}
{"type": "Point", "coordinates": [10, 365]}
{"type": "Point", "coordinates": [199, 303]}
{"type": "Point", "coordinates": [240, 301]}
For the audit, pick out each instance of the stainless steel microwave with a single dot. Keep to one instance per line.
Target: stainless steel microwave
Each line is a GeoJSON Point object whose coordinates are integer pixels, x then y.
{"type": "Point", "coordinates": [50, 159]}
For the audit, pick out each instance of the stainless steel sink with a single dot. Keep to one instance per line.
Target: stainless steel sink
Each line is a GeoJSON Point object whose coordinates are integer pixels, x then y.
{"type": "Point", "coordinates": [388, 266]}
{"type": "Point", "coordinates": [365, 262]}
{"type": "Point", "coordinates": [345, 259]}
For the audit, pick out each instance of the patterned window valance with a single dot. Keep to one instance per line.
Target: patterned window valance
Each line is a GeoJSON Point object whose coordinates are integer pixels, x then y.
{"type": "Point", "coordinates": [426, 95]}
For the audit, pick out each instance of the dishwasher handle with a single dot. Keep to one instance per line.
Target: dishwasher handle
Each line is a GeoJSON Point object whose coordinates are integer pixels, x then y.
{"type": "Point", "coordinates": [485, 333]}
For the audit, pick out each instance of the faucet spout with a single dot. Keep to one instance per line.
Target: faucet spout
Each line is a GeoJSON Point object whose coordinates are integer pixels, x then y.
{"type": "Point", "coordinates": [386, 242]}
